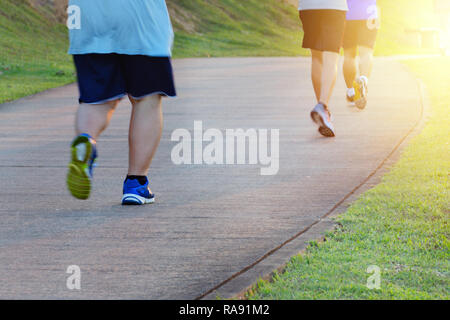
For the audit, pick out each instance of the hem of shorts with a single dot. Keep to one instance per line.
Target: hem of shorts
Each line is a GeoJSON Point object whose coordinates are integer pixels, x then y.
{"type": "Point", "coordinates": [361, 20]}
{"type": "Point", "coordinates": [119, 96]}
{"type": "Point", "coordinates": [323, 50]}
{"type": "Point", "coordinates": [334, 9]}
{"type": "Point", "coordinates": [359, 45]}
{"type": "Point", "coordinates": [154, 93]}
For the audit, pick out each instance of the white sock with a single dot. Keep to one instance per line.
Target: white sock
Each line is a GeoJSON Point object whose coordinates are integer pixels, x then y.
{"type": "Point", "coordinates": [365, 79]}
{"type": "Point", "coordinates": [351, 92]}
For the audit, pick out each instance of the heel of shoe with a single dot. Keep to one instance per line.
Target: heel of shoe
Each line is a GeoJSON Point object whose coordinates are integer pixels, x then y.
{"type": "Point", "coordinates": [316, 118]}
{"type": "Point", "coordinates": [356, 87]}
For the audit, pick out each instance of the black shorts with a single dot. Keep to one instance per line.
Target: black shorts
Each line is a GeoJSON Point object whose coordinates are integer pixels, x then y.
{"type": "Point", "coordinates": [359, 33]}
{"type": "Point", "coordinates": [323, 29]}
{"type": "Point", "coordinates": [107, 77]}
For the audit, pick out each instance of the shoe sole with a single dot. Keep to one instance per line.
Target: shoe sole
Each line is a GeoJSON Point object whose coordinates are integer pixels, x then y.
{"type": "Point", "coordinates": [323, 128]}
{"type": "Point", "coordinates": [130, 199]}
{"type": "Point", "coordinates": [78, 180]}
{"type": "Point", "coordinates": [361, 103]}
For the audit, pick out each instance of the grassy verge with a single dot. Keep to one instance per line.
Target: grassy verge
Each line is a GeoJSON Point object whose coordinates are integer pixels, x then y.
{"type": "Point", "coordinates": [401, 225]}
{"type": "Point", "coordinates": [33, 44]}
{"type": "Point", "coordinates": [235, 28]}
{"type": "Point", "coordinates": [33, 51]}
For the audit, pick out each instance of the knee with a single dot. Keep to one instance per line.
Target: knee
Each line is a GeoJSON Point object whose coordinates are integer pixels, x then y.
{"type": "Point", "coordinates": [317, 62]}
{"type": "Point", "coordinates": [153, 101]}
{"type": "Point", "coordinates": [350, 56]}
{"type": "Point", "coordinates": [349, 59]}
{"type": "Point", "coordinates": [351, 52]}
{"type": "Point", "coordinates": [367, 58]}
{"type": "Point", "coordinates": [365, 53]}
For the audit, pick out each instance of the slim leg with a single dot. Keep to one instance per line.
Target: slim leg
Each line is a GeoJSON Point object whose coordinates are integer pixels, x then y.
{"type": "Point", "coordinates": [365, 61]}
{"type": "Point", "coordinates": [316, 72]}
{"type": "Point", "coordinates": [350, 66]}
{"type": "Point", "coordinates": [329, 74]}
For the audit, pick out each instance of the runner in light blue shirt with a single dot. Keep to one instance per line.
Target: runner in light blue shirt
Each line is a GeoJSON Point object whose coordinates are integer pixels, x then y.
{"type": "Point", "coordinates": [121, 48]}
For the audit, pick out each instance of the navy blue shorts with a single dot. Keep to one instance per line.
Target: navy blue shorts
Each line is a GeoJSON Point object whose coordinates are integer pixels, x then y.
{"type": "Point", "coordinates": [357, 33]}
{"type": "Point", "coordinates": [107, 77]}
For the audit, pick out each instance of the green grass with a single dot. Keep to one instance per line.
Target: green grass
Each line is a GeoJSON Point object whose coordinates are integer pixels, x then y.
{"type": "Point", "coordinates": [401, 225]}
{"type": "Point", "coordinates": [33, 51]}
{"type": "Point", "coordinates": [236, 28]}
{"type": "Point", "coordinates": [33, 45]}
{"type": "Point", "coordinates": [272, 28]}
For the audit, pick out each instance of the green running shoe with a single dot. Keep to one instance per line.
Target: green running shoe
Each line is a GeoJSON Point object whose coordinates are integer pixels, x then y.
{"type": "Point", "coordinates": [79, 176]}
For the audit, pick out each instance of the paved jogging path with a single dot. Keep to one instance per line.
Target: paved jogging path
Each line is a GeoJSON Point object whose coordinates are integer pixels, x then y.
{"type": "Point", "coordinates": [209, 222]}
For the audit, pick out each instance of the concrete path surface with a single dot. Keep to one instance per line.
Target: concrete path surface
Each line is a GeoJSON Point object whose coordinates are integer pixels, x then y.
{"type": "Point", "coordinates": [210, 221]}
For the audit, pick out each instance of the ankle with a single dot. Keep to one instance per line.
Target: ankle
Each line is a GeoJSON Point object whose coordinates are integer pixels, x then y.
{"type": "Point", "coordinates": [87, 135]}
{"type": "Point", "coordinates": [140, 178]}
{"type": "Point", "coordinates": [324, 105]}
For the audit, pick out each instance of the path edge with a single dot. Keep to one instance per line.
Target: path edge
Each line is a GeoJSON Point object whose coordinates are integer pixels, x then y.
{"type": "Point", "coordinates": [275, 261]}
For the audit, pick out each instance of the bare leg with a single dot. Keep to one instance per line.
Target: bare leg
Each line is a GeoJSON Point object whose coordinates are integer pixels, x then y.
{"type": "Point", "coordinates": [145, 133]}
{"type": "Point", "coordinates": [329, 74]}
{"type": "Point", "coordinates": [90, 119]}
{"type": "Point", "coordinates": [93, 119]}
{"type": "Point", "coordinates": [316, 72]}
{"type": "Point", "coordinates": [366, 61]}
{"type": "Point", "coordinates": [350, 66]}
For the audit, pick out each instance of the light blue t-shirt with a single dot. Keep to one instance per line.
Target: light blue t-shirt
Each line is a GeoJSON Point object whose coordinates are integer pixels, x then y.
{"type": "Point", "coordinates": [134, 27]}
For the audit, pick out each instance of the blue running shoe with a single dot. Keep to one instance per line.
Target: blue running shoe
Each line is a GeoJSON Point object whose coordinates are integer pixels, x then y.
{"type": "Point", "coordinates": [322, 117]}
{"type": "Point", "coordinates": [135, 193]}
{"type": "Point", "coordinates": [84, 153]}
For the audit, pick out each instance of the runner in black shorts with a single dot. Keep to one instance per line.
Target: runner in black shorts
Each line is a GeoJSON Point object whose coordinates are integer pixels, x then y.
{"type": "Point", "coordinates": [323, 25]}
{"type": "Point", "coordinates": [120, 49]}
{"type": "Point", "coordinates": [360, 34]}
